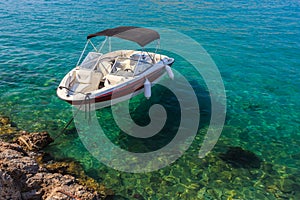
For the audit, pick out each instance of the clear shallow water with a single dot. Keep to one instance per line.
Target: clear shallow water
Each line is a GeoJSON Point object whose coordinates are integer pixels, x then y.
{"type": "Point", "coordinates": [255, 45]}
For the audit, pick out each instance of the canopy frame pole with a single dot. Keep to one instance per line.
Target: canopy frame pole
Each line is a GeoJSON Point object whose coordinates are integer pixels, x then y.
{"type": "Point", "coordinates": [109, 44]}
{"type": "Point", "coordinates": [86, 44]}
{"type": "Point", "coordinates": [102, 44]}
{"type": "Point", "coordinates": [136, 64]}
{"type": "Point", "coordinates": [158, 47]}
{"type": "Point", "coordinates": [95, 48]}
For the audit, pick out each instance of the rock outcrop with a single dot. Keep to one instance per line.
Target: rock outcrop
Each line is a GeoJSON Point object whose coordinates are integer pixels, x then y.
{"type": "Point", "coordinates": [24, 176]}
{"type": "Point", "coordinates": [21, 177]}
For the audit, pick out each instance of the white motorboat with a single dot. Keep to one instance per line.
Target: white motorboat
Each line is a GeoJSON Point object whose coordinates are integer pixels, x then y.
{"type": "Point", "coordinates": [105, 79]}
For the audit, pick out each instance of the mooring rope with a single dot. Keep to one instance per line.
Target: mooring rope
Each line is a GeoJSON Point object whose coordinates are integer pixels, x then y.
{"type": "Point", "coordinates": [86, 100]}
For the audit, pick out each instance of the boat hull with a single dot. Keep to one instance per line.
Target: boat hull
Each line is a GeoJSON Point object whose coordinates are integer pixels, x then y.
{"type": "Point", "coordinates": [117, 95]}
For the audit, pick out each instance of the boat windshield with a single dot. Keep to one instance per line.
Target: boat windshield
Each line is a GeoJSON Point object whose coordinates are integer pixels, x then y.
{"type": "Point", "coordinates": [142, 63]}
{"type": "Point", "coordinates": [132, 66]}
{"type": "Point", "coordinates": [90, 60]}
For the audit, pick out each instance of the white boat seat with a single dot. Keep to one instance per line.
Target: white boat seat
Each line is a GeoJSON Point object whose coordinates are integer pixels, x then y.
{"type": "Point", "coordinates": [71, 79]}
{"type": "Point", "coordinates": [113, 79]}
{"type": "Point", "coordinates": [83, 76]}
{"type": "Point", "coordinates": [123, 68]}
{"type": "Point", "coordinates": [86, 80]}
{"type": "Point", "coordinates": [125, 64]}
{"type": "Point", "coordinates": [82, 87]}
{"type": "Point", "coordinates": [104, 67]}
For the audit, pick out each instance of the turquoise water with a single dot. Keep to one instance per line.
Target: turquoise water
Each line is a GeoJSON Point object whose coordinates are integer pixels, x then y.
{"type": "Point", "coordinates": [255, 45]}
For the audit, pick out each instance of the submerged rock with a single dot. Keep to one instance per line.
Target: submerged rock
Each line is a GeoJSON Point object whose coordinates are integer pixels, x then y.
{"type": "Point", "coordinates": [4, 120]}
{"type": "Point", "coordinates": [75, 169]}
{"type": "Point", "coordinates": [239, 157]}
{"type": "Point", "coordinates": [34, 141]}
{"type": "Point", "coordinates": [8, 130]}
{"type": "Point", "coordinates": [64, 167]}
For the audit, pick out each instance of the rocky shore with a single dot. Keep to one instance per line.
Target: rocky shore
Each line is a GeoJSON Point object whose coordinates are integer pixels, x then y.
{"type": "Point", "coordinates": [26, 174]}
